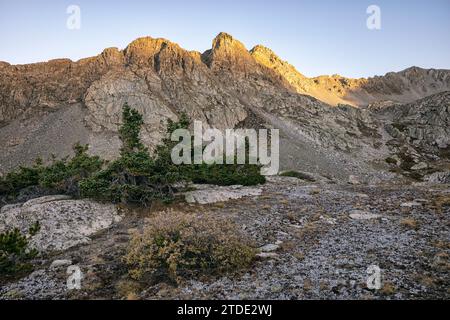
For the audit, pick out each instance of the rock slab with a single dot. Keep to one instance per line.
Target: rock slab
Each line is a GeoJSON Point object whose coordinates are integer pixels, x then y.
{"type": "Point", "coordinates": [63, 223]}
{"type": "Point", "coordinates": [212, 194]}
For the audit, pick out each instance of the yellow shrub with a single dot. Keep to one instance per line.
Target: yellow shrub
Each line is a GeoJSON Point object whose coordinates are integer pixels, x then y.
{"type": "Point", "coordinates": [179, 245]}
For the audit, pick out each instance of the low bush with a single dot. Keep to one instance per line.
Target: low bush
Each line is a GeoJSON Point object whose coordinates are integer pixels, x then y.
{"type": "Point", "coordinates": [179, 245]}
{"type": "Point", "coordinates": [391, 160]}
{"type": "Point", "coordinates": [60, 176]}
{"type": "Point", "coordinates": [226, 175]}
{"type": "Point", "coordinates": [19, 179]}
{"type": "Point", "coordinates": [15, 253]}
{"type": "Point", "coordinates": [298, 175]}
{"type": "Point", "coordinates": [64, 175]}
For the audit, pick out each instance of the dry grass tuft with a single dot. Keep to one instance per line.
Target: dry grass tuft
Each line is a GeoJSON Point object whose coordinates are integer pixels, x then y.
{"type": "Point", "coordinates": [388, 289]}
{"type": "Point", "coordinates": [127, 289]}
{"type": "Point", "coordinates": [441, 202]}
{"type": "Point", "coordinates": [299, 256]}
{"type": "Point", "coordinates": [307, 285]}
{"type": "Point", "coordinates": [409, 223]}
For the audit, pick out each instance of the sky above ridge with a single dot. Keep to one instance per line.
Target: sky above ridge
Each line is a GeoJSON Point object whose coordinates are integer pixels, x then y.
{"type": "Point", "coordinates": [317, 37]}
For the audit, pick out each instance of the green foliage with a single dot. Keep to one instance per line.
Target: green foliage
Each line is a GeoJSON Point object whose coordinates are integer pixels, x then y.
{"type": "Point", "coordinates": [34, 228]}
{"type": "Point", "coordinates": [19, 179]}
{"type": "Point", "coordinates": [64, 176]}
{"type": "Point", "coordinates": [400, 127]}
{"type": "Point", "coordinates": [135, 177]}
{"type": "Point", "coordinates": [298, 175]}
{"type": "Point", "coordinates": [14, 253]}
{"type": "Point", "coordinates": [391, 160]}
{"type": "Point", "coordinates": [226, 175]}
{"type": "Point", "coordinates": [215, 174]}
{"type": "Point", "coordinates": [130, 129]}
{"type": "Point", "coordinates": [60, 176]}
{"type": "Point", "coordinates": [177, 245]}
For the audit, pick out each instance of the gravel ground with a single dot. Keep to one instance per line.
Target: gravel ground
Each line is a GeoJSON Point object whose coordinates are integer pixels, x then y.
{"type": "Point", "coordinates": [321, 237]}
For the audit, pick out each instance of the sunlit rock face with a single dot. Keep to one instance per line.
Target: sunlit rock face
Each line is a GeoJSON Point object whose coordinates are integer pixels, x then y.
{"type": "Point", "coordinates": [401, 87]}
{"type": "Point", "coordinates": [105, 98]}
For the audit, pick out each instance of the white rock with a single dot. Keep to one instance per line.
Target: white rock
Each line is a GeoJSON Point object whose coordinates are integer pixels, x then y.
{"type": "Point", "coordinates": [63, 223]}
{"type": "Point", "coordinates": [328, 220]}
{"type": "Point", "coordinates": [353, 180]}
{"type": "Point", "coordinates": [419, 166]}
{"type": "Point", "coordinates": [269, 247]}
{"type": "Point", "coordinates": [442, 143]}
{"type": "Point", "coordinates": [410, 204]}
{"type": "Point", "coordinates": [45, 199]}
{"type": "Point", "coordinates": [9, 207]}
{"type": "Point", "coordinates": [363, 215]}
{"type": "Point", "coordinates": [267, 255]}
{"type": "Point", "coordinates": [60, 263]}
{"type": "Point", "coordinates": [213, 194]}
{"type": "Point", "coordinates": [438, 177]}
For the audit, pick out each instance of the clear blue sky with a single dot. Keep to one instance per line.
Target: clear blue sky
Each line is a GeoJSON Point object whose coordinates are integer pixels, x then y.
{"type": "Point", "coordinates": [318, 37]}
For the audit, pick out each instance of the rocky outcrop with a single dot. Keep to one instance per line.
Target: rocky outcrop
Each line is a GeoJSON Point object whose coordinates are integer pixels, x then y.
{"type": "Point", "coordinates": [269, 59]}
{"type": "Point", "coordinates": [105, 98]}
{"type": "Point", "coordinates": [205, 194]}
{"type": "Point", "coordinates": [64, 223]}
{"type": "Point", "coordinates": [424, 124]}
{"type": "Point", "coordinates": [229, 54]}
{"type": "Point", "coordinates": [32, 89]}
{"type": "Point", "coordinates": [27, 90]}
{"type": "Point", "coordinates": [438, 177]}
{"type": "Point", "coordinates": [417, 135]}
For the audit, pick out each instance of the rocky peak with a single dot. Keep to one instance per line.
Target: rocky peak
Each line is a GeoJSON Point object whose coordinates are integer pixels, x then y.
{"type": "Point", "coordinates": [113, 56]}
{"type": "Point", "coordinates": [143, 50]}
{"type": "Point", "coordinates": [266, 56]}
{"type": "Point", "coordinates": [224, 41]}
{"type": "Point", "coordinates": [162, 55]}
{"type": "Point", "coordinates": [413, 70]}
{"type": "Point", "coordinates": [4, 64]}
{"type": "Point", "coordinates": [264, 52]}
{"type": "Point", "coordinates": [269, 59]}
{"type": "Point", "coordinates": [228, 53]}
{"type": "Point", "coordinates": [160, 79]}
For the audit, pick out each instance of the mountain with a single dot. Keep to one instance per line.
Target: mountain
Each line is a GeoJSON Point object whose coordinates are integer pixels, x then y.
{"type": "Point", "coordinates": [403, 87]}
{"type": "Point", "coordinates": [47, 107]}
